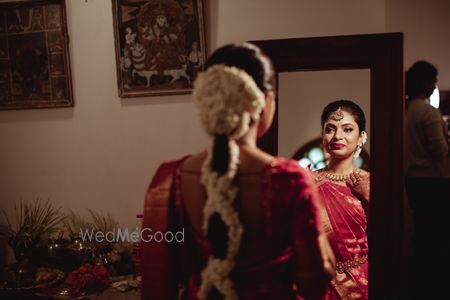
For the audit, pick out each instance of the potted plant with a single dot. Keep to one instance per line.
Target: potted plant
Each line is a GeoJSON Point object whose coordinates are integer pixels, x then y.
{"type": "Point", "coordinates": [34, 223]}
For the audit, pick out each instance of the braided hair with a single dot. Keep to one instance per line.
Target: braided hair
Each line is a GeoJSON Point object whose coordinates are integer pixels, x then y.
{"type": "Point", "coordinates": [230, 94]}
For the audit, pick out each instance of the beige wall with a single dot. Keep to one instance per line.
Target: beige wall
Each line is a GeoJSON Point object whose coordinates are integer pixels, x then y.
{"type": "Point", "coordinates": [101, 153]}
{"type": "Point", "coordinates": [426, 25]}
{"type": "Point", "coordinates": [242, 20]}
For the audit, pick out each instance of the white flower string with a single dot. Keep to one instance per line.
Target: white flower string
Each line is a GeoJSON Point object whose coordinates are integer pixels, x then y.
{"type": "Point", "coordinates": [359, 147]}
{"type": "Point", "coordinates": [228, 99]}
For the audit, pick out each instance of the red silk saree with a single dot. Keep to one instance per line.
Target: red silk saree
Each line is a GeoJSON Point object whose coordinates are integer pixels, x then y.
{"type": "Point", "coordinates": [291, 232]}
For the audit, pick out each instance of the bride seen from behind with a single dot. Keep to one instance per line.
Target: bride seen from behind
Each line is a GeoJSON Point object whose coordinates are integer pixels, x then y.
{"type": "Point", "coordinates": [251, 220]}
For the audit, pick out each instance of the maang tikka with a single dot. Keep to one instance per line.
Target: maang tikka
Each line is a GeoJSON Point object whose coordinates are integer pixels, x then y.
{"type": "Point", "coordinates": [337, 115]}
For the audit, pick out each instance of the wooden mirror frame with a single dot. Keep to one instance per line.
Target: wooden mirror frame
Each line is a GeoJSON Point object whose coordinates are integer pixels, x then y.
{"type": "Point", "coordinates": [383, 55]}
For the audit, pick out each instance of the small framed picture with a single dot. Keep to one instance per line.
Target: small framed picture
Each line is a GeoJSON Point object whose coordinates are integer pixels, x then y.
{"type": "Point", "coordinates": [159, 46]}
{"type": "Point", "coordinates": [34, 55]}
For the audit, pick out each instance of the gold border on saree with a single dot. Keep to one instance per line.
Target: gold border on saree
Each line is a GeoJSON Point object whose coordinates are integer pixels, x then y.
{"type": "Point", "coordinates": [342, 266]}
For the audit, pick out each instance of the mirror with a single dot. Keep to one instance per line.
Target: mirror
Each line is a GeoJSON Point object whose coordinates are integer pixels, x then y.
{"type": "Point", "coordinates": [304, 95]}
{"type": "Point", "coordinates": [382, 54]}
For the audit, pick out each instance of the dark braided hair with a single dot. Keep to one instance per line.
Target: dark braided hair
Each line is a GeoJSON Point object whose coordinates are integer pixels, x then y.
{"type": "Point", "coordinates": [255, 63]}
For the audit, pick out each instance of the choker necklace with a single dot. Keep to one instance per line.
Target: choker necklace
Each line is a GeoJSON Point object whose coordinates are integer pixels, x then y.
{"type": "Point", "coordinates": [338, 177]}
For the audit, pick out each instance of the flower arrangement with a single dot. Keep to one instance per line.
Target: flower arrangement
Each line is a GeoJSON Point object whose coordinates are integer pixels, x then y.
{"type": "Point", "coordinates": [87, 279]}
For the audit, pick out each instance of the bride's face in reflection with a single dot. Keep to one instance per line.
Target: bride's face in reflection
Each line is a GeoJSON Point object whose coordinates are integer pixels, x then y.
{"type": "Point", "coordinates": [340, 135]}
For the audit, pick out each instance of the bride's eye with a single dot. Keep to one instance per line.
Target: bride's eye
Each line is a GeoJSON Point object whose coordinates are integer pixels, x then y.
{"type": "Point", "coordinates": [328, 130]}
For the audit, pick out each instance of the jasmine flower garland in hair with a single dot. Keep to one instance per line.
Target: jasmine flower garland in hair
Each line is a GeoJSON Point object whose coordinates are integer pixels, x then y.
{"type": "Point", "coordinates": [221, 194]}
{"type": "Point", "coordinates": [363, 138]}
{"type": "Point", "coordinates": [228, 99]}
{"type": "Point", "coordinates": [359, 147]}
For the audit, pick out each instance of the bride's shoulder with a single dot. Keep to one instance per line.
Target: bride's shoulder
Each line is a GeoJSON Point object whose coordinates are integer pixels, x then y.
{"type": "Point", "coordinates": [193, 162]}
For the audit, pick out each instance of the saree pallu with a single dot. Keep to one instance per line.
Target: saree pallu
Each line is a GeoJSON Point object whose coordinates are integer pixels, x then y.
{"type": "Point", "coordinates": [157, 265]}
{"type": "Point", "coordinates": [345, 225]}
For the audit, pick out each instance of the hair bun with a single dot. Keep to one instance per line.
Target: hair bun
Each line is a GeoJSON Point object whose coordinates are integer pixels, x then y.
{"type": "Point", "coordinates": [228, 99]}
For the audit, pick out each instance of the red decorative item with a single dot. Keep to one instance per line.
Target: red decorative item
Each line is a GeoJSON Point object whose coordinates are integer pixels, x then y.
{"type": "Point", "coordinates": [87, 279]}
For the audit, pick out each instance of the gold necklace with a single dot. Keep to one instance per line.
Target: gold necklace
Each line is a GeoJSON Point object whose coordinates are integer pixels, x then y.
{"type": "Point", "coordinates": [338, 177]}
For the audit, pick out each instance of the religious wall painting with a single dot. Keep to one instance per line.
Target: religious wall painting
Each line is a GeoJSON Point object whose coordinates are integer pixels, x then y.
{"type": "Point", "coordinates": [59, 87]}
{"type": "Point", "coordinates": [56, 64]}
{"type": "Point", "coordinates": [29, 66]}
{"type": "Point", "coordinates": [55, 42]}
{"type": "Point", "coordinates": [34, 55]}
{"type": "Point", "coordinates": [53, 17]}
{"type": "Point", "coordinates": [159, 46]}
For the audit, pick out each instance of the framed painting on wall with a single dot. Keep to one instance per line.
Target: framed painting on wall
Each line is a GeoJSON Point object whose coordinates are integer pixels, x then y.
{"type": "Point", "coordinates": [159, 46]}
{"type": "Point", "coordinates": [34, 55]}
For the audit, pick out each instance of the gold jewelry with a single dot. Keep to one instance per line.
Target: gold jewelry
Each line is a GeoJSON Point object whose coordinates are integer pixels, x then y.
{"type": "Point", "coordinates": [337, 115]}
{"type": "Point", "coordinates": [338, 177]}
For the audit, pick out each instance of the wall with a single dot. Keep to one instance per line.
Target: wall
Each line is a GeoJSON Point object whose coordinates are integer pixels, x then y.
{"type": "Point", "coordinates": [101, 153]}
{"type": "Point", "coordinates": [426, 25]}
{"type": "Point", "coordinates": [267, 19]}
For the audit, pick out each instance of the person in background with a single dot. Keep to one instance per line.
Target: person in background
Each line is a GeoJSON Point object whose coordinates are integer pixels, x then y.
{"type": "Point", "coordinates": [251, 220]}
{"type": "Point", "coordinates": [345, 192]}
{"type": "Point", "coordinates": [427, 184]}
{"type": "Point", "coordinates": [427, 145]}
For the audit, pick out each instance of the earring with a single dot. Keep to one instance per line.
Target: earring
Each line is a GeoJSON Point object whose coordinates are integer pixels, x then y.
{"type": "Point", "coordinates": [357, 152]}
{"type": "Point", "coordinates": [360, 144]}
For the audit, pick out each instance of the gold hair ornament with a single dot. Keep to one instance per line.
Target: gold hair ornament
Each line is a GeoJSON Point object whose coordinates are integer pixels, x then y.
{"type": "Point", "coordinates": [337, 115]}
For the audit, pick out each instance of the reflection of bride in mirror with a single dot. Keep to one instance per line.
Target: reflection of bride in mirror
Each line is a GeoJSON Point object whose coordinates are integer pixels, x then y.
{"type": "Point", "coordinates": [345, 193]}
